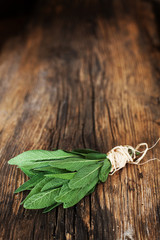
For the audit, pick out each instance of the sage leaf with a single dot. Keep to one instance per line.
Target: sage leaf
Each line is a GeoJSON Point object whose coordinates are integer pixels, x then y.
{"type": "Point", "coordinates": [104, 171]}
{"type": "Point", "coordinates": [85, 176]}
{"type": "Point", "coordinates": [42, 199]}
{"type": "Point", "coordinates": [53, 183]}
{"type": "Point", "coordinates": [96, 156]}
{"type": "Point", "coordinates": [30, 183]}
{"type": "Point", "coordinates": [76, 197]}
{"type": "Point", "coordinates": [48, 209]}
{"type": "Point", "coordinates": [72, 164]}
{"type": "Point", "coordinates": [65, 193]}
{"type": "Point", "coordinates": [61, 175]}
{"type": "Point", "coordinates": [91, 191]}
{"type": "Point", "coordinates": [29, 173]}
{"type": "Point", "coordinates": [83, 152]}
{"type": "Point", "coordinates": [37, 188]}
{"type": "Point", "coordinates": [50, 169]}
{"type": "Point", "coordinates": [32, 165]}
{"type": "Point", "coordinates": [40, 155]}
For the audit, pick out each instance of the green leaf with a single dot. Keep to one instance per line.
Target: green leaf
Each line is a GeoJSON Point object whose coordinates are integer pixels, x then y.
{"type": "Point", "coordinates": [104, 171]}
{"type": "Point", "coordinates": [83, 152]}
{"type": "Point", "coordinates": [92, 190]}
{"type": "Point", "coordinates": [48, 209]}
{"type": "Point", "coordinates": [96, 156]}
{"type": "Point", "coordinates": [39, 155]}
{"type": "Point", "coordinates": [30, 183]}
{"type": "Point", "coordinates": [53, 183]}
{"type": "Point", "coordinates": [32, 165]}
{"type": "Point", "coordinates": [27, 172]}
{"type": "Point", "coordinates": [37, 188]}
{"type": "Point", "coordinates": [66, 193]}
{"type": "Point", "coordinates": [42, 199]}
{"type": "Point", "coordinates": [75, 198]}
{"type": "Point", "coordinates": [85, 176]}
{"type": "Point", "coordinates": [61, 175]}
{"type": "Point", "coordinates": [50, 169]}
{"type": "Point", "coordinates": [72, 164]}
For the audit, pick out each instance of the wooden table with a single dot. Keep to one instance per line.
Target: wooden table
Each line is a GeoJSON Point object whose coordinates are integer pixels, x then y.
{"type": "Point", "coordinates": [82, 74]}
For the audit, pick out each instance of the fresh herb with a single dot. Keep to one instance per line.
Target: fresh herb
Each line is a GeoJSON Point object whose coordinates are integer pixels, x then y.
{"type": "Point", "coordinates": [60, 177]}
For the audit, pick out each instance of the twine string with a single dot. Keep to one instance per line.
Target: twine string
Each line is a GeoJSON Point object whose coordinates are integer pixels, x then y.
{"type": "Point", "coordinates": [119, 156]}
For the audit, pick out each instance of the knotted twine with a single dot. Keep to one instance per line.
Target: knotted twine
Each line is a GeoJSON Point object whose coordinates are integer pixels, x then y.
{"type": "Point", "coordinates": [119, 156]}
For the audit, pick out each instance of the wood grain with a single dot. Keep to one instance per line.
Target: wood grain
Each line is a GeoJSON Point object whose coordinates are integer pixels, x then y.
{"type": "Point", "coordinates": [82, 74]}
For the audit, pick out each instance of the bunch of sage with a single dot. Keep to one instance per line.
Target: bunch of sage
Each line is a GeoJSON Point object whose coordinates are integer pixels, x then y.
{"type": "Point", "coordinates": [63, 177]}
{"type": "Point", "coordinates": [60, 177]}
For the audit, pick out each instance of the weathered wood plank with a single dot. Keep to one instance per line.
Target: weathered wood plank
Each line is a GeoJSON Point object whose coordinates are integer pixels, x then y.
{"type": "Point", "coordinates": [82, 74]}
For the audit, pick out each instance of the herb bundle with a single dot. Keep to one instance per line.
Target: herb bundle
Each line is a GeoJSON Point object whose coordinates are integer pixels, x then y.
{"type": "Point", "coordinates": [60, 177]}
{"type": "Point", "coordinates": [63, 177]}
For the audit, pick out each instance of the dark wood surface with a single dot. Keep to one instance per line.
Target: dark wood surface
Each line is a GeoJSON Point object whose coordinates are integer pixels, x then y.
{"type": "Point", "coordinates": [82, 74]}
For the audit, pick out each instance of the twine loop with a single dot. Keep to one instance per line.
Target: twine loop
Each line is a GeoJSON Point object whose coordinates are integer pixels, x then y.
{"type": "Point", "coordinates": [119, 156]}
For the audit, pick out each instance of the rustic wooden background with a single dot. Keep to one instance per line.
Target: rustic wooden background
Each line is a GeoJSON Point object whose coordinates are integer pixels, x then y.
{"type": "Point", "coordinates": [82, 74]}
